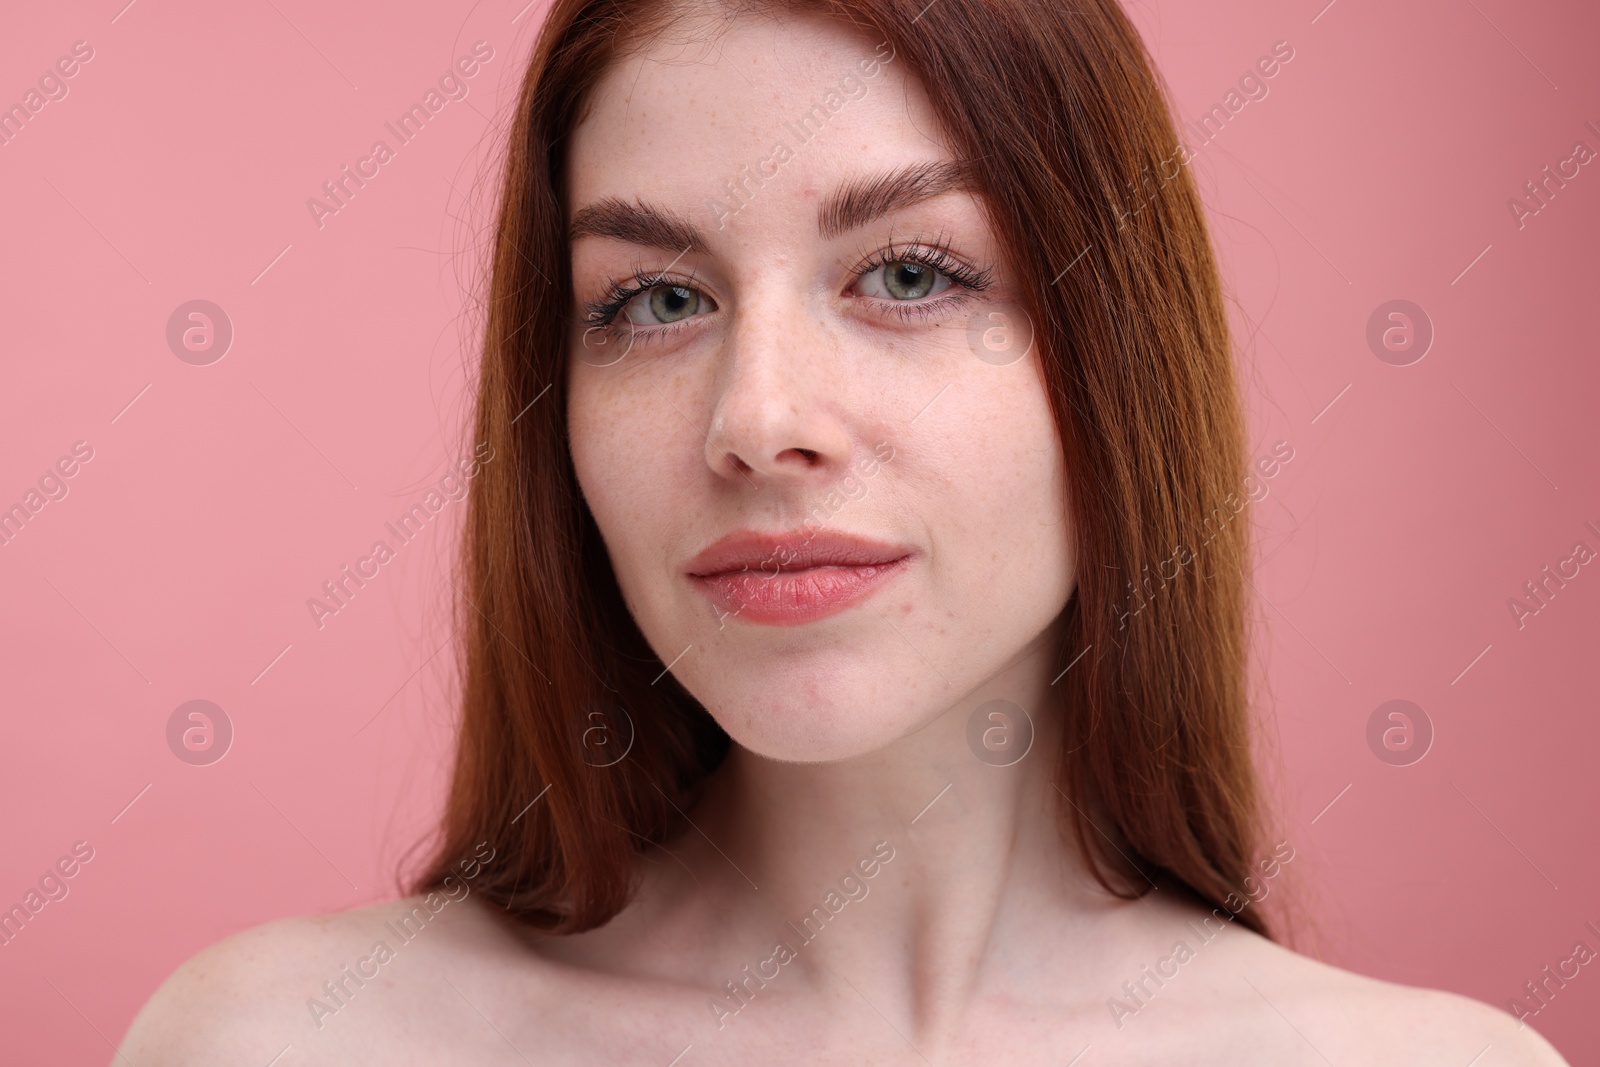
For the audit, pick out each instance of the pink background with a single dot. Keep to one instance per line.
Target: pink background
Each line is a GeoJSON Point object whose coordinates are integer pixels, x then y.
{"type": "Point", "coordinates": [177, 567]}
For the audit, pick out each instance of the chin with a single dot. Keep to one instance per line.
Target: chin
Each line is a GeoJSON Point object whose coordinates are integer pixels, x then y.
{"type": "Point", "coordinates": [803, 719]}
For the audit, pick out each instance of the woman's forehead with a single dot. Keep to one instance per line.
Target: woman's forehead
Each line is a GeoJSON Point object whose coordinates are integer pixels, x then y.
{"type": "Point", "coordinates": [805, 87]}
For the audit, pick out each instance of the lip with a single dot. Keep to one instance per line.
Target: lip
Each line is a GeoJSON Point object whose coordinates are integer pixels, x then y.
{"type": "Point", "coordinates": [793, 577]}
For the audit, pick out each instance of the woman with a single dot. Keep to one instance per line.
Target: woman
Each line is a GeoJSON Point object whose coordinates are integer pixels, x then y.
{"type": "Point", "coordinates": [855, 646]}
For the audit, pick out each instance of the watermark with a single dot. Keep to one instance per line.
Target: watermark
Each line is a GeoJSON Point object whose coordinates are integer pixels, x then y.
{"type": "Point", "coordinates": [999, 337]}
{"type": "Point", "coordinates": [51, 86]}
{"type": "Point", "coordinates": [1542, 589]}
{"type": "Point", "coordinates": [1542, 990]}
{"type": "Point", "coordinates": [199, 732]}
{"type": "Point", "coordinates": [607, 735]}
{"type": "Point", "coordinates": [1252, 87]}
{"type": "Point", "coordinates": [52, 486]}
{"type": "Point", "coordinates": [1138, 595]}
{"type": "Point", "coordinates": [53, 886]}
{"type": "Point", "coordinates": [603, 335]}
{"type": "Point", "coordinates": [737, 192]}
{"type": "Point", "coordinates": [1139, 992]}
{"type": "Point", "coordinates": [1399, 732]}
{"type": "Point", "coordinates": [452, 85]}
{"type": "Point", "coordinates": [1399, 332]}
{"type": "Point", "coordinates": [338, 991]}
{"type": "Point", "coordinates": [852, 887]}
{"type": "Point", "coordinates": [199, 332]}
{"type": "Point", "coordinates": [854, 489]}
{"type": "Point", "coordinates": [999, 732]}
{"type": "Point", "coordinates": [341, 590]}
{"type": "Point", "coordinates": [1542, 190]}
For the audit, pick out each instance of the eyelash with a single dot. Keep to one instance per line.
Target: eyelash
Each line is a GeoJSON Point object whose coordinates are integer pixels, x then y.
{"type": "Point", "coordinates": [935, 254]}
{"type": "Point", "coordinates": [602, 314]}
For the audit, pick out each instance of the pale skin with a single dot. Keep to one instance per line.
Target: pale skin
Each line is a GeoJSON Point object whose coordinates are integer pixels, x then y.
{"type": "Point", "coordinates": [983, 939]}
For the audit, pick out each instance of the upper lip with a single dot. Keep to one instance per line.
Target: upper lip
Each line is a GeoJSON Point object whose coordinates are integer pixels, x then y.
{"type": "Point", "coordinates": [791, 550]}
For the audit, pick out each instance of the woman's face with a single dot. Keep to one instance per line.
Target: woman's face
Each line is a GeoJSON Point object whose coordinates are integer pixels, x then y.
{"type": "Point", "coordinates": [829, 352]}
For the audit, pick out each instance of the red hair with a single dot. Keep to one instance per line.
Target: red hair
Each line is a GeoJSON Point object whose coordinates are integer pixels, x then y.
{"type": "Point", "coordinates": [1059, 107]}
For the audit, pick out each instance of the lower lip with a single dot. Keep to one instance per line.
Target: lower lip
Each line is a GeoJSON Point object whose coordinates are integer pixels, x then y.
{"type": "Point", "coordinates": [790, 598]}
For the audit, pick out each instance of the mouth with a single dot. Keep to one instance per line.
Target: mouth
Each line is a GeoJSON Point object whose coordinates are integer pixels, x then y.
{"type": "Point", "coordinates": [789, 579]}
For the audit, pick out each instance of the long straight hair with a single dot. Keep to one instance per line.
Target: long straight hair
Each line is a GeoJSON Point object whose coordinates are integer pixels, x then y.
{"type": "Point", "coordinates": [1083, 176]}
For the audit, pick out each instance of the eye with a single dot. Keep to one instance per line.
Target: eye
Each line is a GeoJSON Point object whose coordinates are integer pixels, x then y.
{"type": "Point", "coordinates": [661, 305]}
{"type": "Point", "coordinates": [905, 277]}
{"type": "Point", "coordinates": [902, 280]}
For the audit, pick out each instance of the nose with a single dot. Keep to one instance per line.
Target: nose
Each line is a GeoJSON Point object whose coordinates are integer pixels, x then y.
{"type": "Point", "coordinates": [779, 408]}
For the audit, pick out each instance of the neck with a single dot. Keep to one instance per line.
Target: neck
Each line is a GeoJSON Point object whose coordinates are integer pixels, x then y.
{"type": "Point", "coordinates": [908, 871]}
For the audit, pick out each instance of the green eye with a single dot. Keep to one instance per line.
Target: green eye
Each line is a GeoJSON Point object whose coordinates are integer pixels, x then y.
{"type": "Point", "coordinates": [669, 303]}
{"type": "Point", "coordinates": [908, 278]}
{"type": "Point", "coordinates": [908, 281]}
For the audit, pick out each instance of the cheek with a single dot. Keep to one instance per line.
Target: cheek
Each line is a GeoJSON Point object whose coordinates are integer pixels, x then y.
{"type": "Point", "coordinates": [624, 485]}
{"type": "Point", "coordinates": [1015, 474]}
{"type": "Point", "coordinates": [1031, 528]}
{"type": "Point", "coordinates": [1000, 514]}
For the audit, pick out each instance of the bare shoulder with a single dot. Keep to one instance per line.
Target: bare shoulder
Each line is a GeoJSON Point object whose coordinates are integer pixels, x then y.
{"type": "Point", "coordinates": [1356, 1018]}
{"type": "Point", "coordinates": [352, 987]}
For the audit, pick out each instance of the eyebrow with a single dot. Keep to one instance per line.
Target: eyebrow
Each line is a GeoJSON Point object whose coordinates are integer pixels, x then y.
{"type": "Point", "coordinates": [637, 223]}
{"type": "Point", "coordinates": [856, 203]}
{"type": "Point", "coordinates": [868, 198]}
